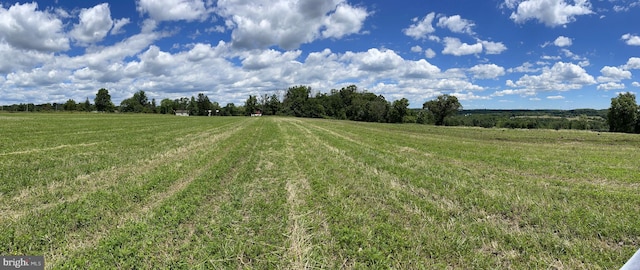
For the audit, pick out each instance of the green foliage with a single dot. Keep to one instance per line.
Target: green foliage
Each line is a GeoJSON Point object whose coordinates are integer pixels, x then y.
{"type": "Point", "coordinates": [192, 107]}
{"type": "Point", "coordinates": [442, 107]}
{"type": "Point", "coordinates": [166, 106]}
{"type": "Point", "coordinates": [251, 105]}
{"type": "Point", "coordinates": [203, 105]}
{"type": "Point", "coordinates": [295, 101]}
{"type": "Point", "coordinates": [624, 114]}
{"type": "Point", "coordinates": [70, 105]}
{"type": "Point", "coordinates": [273, 105]}
{"type": "Point", "coordinates": [138, 103]}
{"type": "Point", "coordinates": [86, 106]}
{"type": "Point", "coordinates": [230, 110]}
{"type": "Point", "coordinates": [103, 101]}
{"type": "Point", "coordinates": [399, 110]}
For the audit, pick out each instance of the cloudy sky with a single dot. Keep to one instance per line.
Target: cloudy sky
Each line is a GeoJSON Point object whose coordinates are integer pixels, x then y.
{"type": "Point", "coordinates": [494, 54]}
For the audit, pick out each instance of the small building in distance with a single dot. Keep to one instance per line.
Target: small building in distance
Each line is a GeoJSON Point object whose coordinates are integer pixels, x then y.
{"type": "Point", "coordinates": [182, 113]}
{"type": "Point", "coordinates": [256, 113]}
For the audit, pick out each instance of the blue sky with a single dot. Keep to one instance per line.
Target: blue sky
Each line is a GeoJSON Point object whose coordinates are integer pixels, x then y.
{"type": "Point", "coordinates": [500, 54]}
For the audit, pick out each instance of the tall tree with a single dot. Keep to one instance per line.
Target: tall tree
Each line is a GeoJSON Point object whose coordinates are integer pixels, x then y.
{"type": "Point", "coordinates": [623, 114]}
{"type": "Point", "coordinates": [203, 104]}
{"type": "Point", "coordinates": [251, 105]}
{"type": "Point", "coordinates": [295, 100]}
{"type": "Point", "coordinates": [441, 107]}
{"type": "Point", "coordinates": [273, 105]}
{"type": "Point", "coordinates": [103, 101]}
{"type": "Point", "coordinates": [193, 107]}
{"type": "Point", "coordinates": [399, 110]}
{"type": "Point", "coordinates": [166, 106]}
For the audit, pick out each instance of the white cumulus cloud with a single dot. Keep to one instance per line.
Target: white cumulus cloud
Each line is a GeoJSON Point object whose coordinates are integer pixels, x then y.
{"type": "Point", "coordinates": [456, 24]}
{"type": "Point", "coordinates": [344, 21]}
{"type": "Point", "coordinates": [429, 53]}
{"type": "Point", "coordinates": [173, 10]}
{"type": "Point", "coordinates": [421, 28]}
{"type": "Point", "coordinates": [632, 40]}
{"type": "Point", "coordinates": [563, 41]}
{"type": "Point", "coordinates": [613, 74]}
{"type": "Point", "coordinates": [491, 47]}
{"type": "Point", "coordinates": [560, 77]}
{"type": "Point", "coordinates": [24, 27]}
{"type": "Point", "coordinates": [611, 86]}
{"type": "Point", "coordinates": [455, 47]}
{"type": "Point", "coordinates": [550, 12]}
{"type": "Point", "coordinates": [94, 25]}
{"type": "Point", "coordinates": [289, 23]}
{"type": "Point", "coordinates": [633, 63]}
{"type": "Point", "coordinates": [487, 71]}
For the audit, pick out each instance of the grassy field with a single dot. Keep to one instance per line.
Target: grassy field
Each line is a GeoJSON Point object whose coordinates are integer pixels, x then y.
{"type": "Point", "coordinates": [150, 191]}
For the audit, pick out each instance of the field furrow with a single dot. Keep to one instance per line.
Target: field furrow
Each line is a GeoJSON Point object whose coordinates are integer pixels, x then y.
{"type": "Point", "coordinates": [148, 191]}
{"type": "Point", "coordinates": [66, 191]}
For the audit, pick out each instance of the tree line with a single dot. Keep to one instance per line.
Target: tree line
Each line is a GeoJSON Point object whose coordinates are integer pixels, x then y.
{"type": "Point", "coordinates": [347, 103]}
{"type": "Point", "coordinates": [351, 103]}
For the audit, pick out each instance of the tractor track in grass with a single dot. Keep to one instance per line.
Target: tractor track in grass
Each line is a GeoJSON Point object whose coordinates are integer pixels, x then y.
{"type": "Point", "coordinates": [142, 212]}
{"type": "Point", "coordinates": [36, 150]}
{"type": "Point", "coordinates": [83, 185]}
{"type": "Point", "coordinates": [293, 193]}
{"type": "Point", "coordinates": [395, 182]}
{"type": "Point", "coordinates": [300, 247]}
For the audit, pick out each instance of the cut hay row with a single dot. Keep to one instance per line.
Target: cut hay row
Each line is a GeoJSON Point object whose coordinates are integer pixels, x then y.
{"type": "Point", "coordinates": [149, 191]}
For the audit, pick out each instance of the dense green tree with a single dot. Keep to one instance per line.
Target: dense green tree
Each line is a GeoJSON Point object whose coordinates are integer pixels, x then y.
{"type": "Point", "coordinates": [166, 106]}
{"type": "Point", "coordinates": [86, 106]}
{"type": "Point", "coordinates": [141, 98]}
{"type": "Point", "coordinates": [70, 105]}
{"type": "Point", "coordinates": [312, 108]}
{"type": "Point", "coordinates": [138, 103]}
{"type": "Point", "coordinates": [181, 103]}
{"type": "Point", "coordinates": [623, 114]}
{"type": "Point", "coordinates": [153, 107]}
{"type": "Point", "coordinates": [273, 105]}
{"type": "Point", "coordinates": [193, 107]}
{"type": "Point", "coordinates": [130, 105]}
{"type": "Point", "coordinates": [295, 100]}
{"type": "Point", "coordinates": [262, 102]}
{"type": "Point", "coordinates": [215, 108]}
{"type": "Point", "coordinates": [399, 110]}
{"type": "Point", "coordinates": [441, 107]}
{"type": "Point", "coordinates": [203, 104]}
{"type": "Point", "coordinates": [229, 110]}
{"type": "Point", "coordinates": [251, 105]}
{"type": "Point", "coordinates": [103, 101]}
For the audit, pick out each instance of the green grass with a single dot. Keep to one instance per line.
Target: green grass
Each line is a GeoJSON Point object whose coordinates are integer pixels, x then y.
{"type": "Point", "coordinates": [151, 191]}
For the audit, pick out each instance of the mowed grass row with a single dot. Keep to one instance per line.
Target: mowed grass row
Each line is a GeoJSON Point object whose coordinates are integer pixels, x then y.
{"type": "Point", "coordinates": [150, 191]}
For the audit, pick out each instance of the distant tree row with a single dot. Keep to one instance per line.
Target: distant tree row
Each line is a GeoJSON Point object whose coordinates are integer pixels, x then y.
{"type": "Point", "coordinates": [350, 103]}
{"type": "Point", "coordinates": [347, 103]}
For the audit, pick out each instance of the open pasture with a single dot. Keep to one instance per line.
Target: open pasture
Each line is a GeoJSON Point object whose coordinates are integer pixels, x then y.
{"type": "Point", "coordinates": [150, 191]}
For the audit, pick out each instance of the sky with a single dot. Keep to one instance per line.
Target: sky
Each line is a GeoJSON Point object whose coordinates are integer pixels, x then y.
{"type": "Point", "coordinates": [491, 54]}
